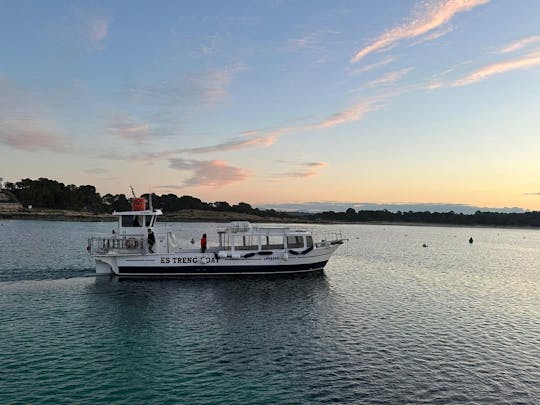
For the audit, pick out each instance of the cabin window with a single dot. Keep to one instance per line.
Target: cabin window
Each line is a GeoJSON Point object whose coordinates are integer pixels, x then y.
{"type": "Point", "coordinates": [309, 241]}
{"type": "Point", "coordinates": [273, 242]}
{"type": "Point", "coordinates": [295, 242]}
{"type": "Point", "coordinates": [149, 220]}
{"type": "Point", "coordinates": [129, 221]}
{"type": "Point", "coordinates": [246, 242]}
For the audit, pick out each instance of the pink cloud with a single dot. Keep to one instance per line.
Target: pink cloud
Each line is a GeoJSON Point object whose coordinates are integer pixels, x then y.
{"type": "Point", "coordinates": [520, 44]}
{"type": "Point", "coordinates": [30, 139]}
{"type": "Point", "coordinates": [432, 17]}
{"type": "Point", "coordinates": [389, 78]}
{"type": "Point", "coordinates": [213, 173]}
{"type": "Point", "coordinates": [354, 113]}
{"type": "Point", "coordinates": [127, 128]}
{"type": "Point", "coordinates": [526, 62]}
{"type": "Point", "coordinates": [381, 63]}
{"type": "Point", "coordinates": [98, 29]}
{"type": "Point", "coordinates": [25, 121]}
{"type": "Point", "coordinates": [310, 169]}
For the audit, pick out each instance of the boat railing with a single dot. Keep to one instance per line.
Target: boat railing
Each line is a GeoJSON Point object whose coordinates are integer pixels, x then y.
{"type": "Point", "coordinates": [103, 245]}
{"type": "Point", "coordinates": [329, 237]}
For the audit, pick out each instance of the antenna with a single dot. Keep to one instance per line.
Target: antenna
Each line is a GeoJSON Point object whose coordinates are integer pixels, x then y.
{"type": "Point", "coordinates": [132, 191]}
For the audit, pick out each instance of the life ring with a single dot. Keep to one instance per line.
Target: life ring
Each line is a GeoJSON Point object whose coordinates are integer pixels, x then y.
{"type": "Point", "coordinates": [132, 243]}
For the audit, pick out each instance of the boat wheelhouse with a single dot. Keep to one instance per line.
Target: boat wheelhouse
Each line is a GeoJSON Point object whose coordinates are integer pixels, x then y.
{"type": "Point", "coordinates": [242, 249]}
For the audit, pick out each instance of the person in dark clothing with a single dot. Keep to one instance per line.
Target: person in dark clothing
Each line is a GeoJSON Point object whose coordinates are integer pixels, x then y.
{"type": "Point", "coordinates": [203, 243]}
{"type": "Point", "coordinates": [151, 240]}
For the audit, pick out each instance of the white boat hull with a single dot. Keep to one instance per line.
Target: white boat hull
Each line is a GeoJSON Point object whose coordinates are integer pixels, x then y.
{"type": "Point", "coordinates": [211, 264]}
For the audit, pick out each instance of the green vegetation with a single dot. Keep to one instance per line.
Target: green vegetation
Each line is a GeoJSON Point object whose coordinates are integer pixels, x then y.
{"type": "Point", "coordinates": [50, 194]}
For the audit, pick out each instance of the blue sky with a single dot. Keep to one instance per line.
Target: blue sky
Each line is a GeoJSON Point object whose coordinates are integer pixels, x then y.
{"type": "Point", "coordinates": [271, 102]}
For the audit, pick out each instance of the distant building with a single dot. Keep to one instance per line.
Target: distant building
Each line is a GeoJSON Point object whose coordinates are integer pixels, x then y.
{"type": "Point", "coordinates": [8, 202]}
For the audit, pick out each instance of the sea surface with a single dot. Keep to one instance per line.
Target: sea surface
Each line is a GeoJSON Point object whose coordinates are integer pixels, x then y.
{"type": "Point", "coordinates": [389, 321]}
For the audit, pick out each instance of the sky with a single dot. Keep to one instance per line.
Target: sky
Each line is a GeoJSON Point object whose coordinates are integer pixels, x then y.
{"type": "Point", "coordinates": [278, 101]}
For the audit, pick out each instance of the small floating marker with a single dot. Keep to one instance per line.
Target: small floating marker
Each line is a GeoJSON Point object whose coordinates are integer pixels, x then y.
{"type": "Point", "coordinates": [471, 240]}
{"type": "Point", "coordinates": [424, 245]}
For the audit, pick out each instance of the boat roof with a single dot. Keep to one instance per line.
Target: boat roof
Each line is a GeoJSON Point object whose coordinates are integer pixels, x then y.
{"type": "Point", "coordinates": [145, 212]}
{"type": "Point", "coordinates": [245, 228]}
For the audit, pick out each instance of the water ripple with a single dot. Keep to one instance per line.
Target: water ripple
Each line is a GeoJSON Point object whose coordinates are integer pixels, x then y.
{"type": "Point", "coordinates": [391, 322]}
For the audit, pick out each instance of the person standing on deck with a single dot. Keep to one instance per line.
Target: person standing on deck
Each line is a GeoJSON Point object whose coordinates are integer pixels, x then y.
{"type": "Point", "coordinates": [203, 243]}
{"type": "Point", "coordinates": [151, 240]}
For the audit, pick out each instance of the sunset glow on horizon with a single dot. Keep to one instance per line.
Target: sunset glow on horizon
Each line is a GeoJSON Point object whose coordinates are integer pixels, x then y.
{"type": "Point", "coordinates": [272, 102]}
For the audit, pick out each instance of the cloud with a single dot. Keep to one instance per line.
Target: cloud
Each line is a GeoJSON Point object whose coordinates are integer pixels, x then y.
{"type": "Point", "coordinates": [315, 43]}
{"type": "Point", "coordinates": [381, 63]}
{"type": "Point", "coordinates": [389, 78]}
{"type": "Point", "coordinates": [255, 138]}
{"type": "Point", "coordinates": [525, 62]}
{"type": "Point", "coordinates": [430, 18]}
{"type": "Point", "coordinates": [26, 123]}
{"type": "Point", "coordinates": [214, 83]}
{"type": "Point", "coordinates": [175, 100]}
{"type": "Point", "coordinates": [261, 139]}
{"type": "Point", "coordinates": [518, 45]}
{"type": "Point", "coordinates": [213, 173]}
{"type": "Point", "coordinates": [98, 29]}
{"type": "Point", "coordinates": [310, 169]}
{"type": "Point", "coordinates": [96, 170]}
{"type": "Point", "coordinates": [31, 139]}
{"type": "Point", "coordinates": [127, 128]}
{"type": "Point", "coordinates": [85, 26]}
{"type": "Point", "coordinates": [354, 113]}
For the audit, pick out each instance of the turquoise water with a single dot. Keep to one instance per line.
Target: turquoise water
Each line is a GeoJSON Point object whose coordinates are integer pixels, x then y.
{"type": "Point", "coordinates": [388, 322]}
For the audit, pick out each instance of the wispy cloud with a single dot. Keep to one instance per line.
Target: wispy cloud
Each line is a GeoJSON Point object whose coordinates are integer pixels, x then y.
{"type": "Point", "coordinates": [429, 18]}
{"type": "Point", "coordinates": [96, 170]}
{"type": "Point", "coordinates": [525, 62]}
{"type": "Point", "coordinates": [85, 26]}
{"type": "Point", "coordinates": [212, 173]}
{"type": "Point", "coordinates": [29, 138]}
{"type": "Point", "coordinates": [175, 100]}
{"type": "Point", "coordinates": [316, 43]}
{"type": "Point", "coordinates": [389, 78]}
{"type": "Point", "coordinates": [26, 123]}
{"type": "Point", "coordinates": [309, 169]}
{"type": "Point", "coordinates": [259, 139]}
{"type": "Point", "coordinates": [215, 82]}
{"type": "Point", "coordinates": [354, 113]}
{"type": "Point", "coordinates": [126, 127]}
{"type": "Point", "coordinates": [519, 45]}
{"type": "Point", "coordinates": [387, 60]}
{"type": "Point", "coordinates": [98, 29]}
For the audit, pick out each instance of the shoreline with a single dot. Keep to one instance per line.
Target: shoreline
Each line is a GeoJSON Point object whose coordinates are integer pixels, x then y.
{"type": "Point", "coordinates": [221, 217]}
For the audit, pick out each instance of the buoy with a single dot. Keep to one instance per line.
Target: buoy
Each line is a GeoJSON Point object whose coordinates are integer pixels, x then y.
{"type": "Point", "coordinates": [471, 240]}
{"type": "Point", "coordinates": [424, 245]}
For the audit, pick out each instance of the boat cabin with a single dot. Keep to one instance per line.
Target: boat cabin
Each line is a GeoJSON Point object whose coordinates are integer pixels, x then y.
{"type": "Point", "coordinates": [136, 222]}
{"type": "Point", "coordinates": [241, 235]}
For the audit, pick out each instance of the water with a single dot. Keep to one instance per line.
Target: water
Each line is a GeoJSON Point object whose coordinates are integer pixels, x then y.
{"type": "Point", "coordinates": [388, 322]}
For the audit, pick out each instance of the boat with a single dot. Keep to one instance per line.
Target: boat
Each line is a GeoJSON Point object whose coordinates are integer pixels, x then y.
{"type": "Point", "coordinates": [243, 249]}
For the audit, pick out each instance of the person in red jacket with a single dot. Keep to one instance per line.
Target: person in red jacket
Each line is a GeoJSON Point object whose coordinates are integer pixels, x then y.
{"type": "Point", "coordinates": [203, 243]}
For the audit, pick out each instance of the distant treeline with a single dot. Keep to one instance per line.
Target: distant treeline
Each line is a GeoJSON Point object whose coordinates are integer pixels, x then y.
{"type": "Point", "coordinates": [51, 194]}
{"type": "Point", "coordinates": [45, 193]}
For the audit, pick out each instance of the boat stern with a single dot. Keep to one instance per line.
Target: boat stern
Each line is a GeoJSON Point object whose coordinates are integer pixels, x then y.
{"type": "Point", "coordinates": [104, 267]}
